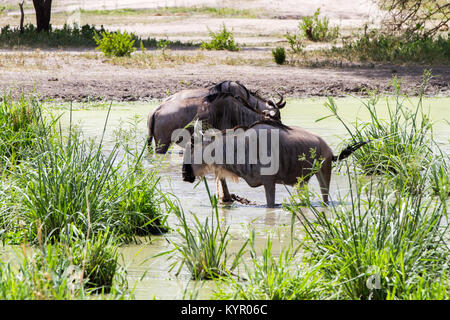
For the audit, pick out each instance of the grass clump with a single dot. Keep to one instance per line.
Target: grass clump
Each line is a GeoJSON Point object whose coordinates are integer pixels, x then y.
{"type": "Point", "coordinates": [115, 44]}
{"type": "Point", "coordinates": [378, 243]}
{"type": "Point", "coordinates": [65, 270]}
{"type": "Point", "coordinates": [401, 146]}
{"type": "Point", "coordinates": [279, 55]}
{"type": "Point", "coordinates": [221, 40]}
{"type": "Point", "coordinates": [316, 29]}
{"type": "Point", "coordinates": [73, 186]}
{"type": "Point", "coordinates": [18, 129]}
{"type": "Point", "coordinates": [204, 247]}
{"type": "Point", "coordinates": [272, 277]}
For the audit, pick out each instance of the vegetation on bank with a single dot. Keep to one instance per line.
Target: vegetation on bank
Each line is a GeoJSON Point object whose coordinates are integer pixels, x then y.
{"type": "Point", "coordinates": [69, 37]}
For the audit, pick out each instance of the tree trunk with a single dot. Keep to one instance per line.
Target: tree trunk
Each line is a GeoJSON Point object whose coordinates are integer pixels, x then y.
{"type": "Point", "coordinates": [43, 10]}
{"type": "Point", "coordinates": [22, 16]}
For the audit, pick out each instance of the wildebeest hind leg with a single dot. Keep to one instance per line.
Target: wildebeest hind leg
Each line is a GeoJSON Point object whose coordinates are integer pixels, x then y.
{"type": "Point", "coordinates": [324, 177]}
{"type": "Point", "coordinates": [270, 194]}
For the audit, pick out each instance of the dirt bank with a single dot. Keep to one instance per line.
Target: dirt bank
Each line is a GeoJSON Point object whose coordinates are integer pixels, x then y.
{"type": "Point", "coordinates": [64, 77]}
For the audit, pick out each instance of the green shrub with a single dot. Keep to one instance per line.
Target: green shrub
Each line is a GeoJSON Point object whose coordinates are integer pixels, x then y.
{"type": "Point", "coordinates": [316, 29]}
{"type": "Point", "coordinates": [115, 44]}
{"type": "Point", "coordinates": [295, 42]}
{"type": "Point", "coordinates": [222, 40]}
{"type": "Point", "coordinates": [68, 36]}
{"type": "Point", "coordinates": [279, 55]}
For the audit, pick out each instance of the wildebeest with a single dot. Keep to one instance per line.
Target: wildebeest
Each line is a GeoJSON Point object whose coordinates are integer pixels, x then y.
{"type": "Point", "coordinates": [178, 110]}
{"type": "Point", "coordinates": [222, 106]}
{"type": "Point", "coordinates": [293, 148]}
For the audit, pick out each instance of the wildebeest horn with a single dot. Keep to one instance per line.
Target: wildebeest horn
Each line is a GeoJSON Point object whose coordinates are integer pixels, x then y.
{"type": "Point", "coordinates": [280, 104]}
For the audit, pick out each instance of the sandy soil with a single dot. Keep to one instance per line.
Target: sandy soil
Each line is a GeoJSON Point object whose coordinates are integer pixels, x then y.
{"type": "Point", "coordinates": [66, 76]}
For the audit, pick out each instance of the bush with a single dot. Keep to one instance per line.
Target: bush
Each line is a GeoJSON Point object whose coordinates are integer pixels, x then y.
{"type": "Point", "coordinates": [68, 36]}
{"type": "Point", "coordinates": [316, 29]}
{"type": "Point", "coordinates": [279, 55]}
{"type": "Point", "coordinates": [115, 44]}
{"type": "Point", "coordinates": [375, 46]}
{"type": "Point", "coordinates": [222, 40]}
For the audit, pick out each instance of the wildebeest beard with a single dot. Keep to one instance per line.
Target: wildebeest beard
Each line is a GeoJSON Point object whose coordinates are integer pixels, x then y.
{"type": "Point", "coordinates": [188, 173]}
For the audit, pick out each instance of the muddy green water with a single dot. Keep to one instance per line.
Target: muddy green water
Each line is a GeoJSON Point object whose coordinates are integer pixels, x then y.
{"type": "Point", "coordinates": [151, 275]}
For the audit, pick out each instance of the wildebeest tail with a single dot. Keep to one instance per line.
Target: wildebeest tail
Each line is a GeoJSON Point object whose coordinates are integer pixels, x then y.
{"type": "Point", "coordinates": [151, 126]}
{"type": "Point", "coordinates": [349, 150]}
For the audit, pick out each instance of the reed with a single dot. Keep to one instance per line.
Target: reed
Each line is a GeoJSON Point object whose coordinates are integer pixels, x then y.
{"type": "Point", "coordinates": [271, 276]}
{"type": "Point", "coordinates": [203, 249]}
{"type": "Point", "coordinates": [379, 243]}
{"type": "Point", "coordinates": [71, 269]}
{"type": "Point", "coordinates": [400, 147]}
{"type": "Point", "coordinates": [72, 175]}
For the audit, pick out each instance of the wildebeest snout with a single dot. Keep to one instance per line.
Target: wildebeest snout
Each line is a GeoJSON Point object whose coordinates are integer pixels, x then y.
{"type": "Point", "coordinates": [188, 173]}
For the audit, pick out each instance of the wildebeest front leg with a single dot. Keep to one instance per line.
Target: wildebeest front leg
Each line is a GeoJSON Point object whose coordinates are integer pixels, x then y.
{"type": "Point", "coordinates": [270, 194]}
{"type": "Point", "coordinates": [223, 192]}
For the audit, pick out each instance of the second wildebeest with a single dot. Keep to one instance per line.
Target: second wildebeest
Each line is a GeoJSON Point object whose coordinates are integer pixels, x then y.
{"type": "Point", "coordinates": [292, 151]}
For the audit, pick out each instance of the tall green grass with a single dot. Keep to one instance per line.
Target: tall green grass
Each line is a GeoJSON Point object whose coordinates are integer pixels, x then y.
{"type": "Point", "coordinates": [72, 185]}
{"type": "Point", "coordinates": [274, 277]}
{"type": "Point", "coordinates": [400, 146]}
{"type": "Point", "coordinates": [379, 243]}
{"type": "Point", "coordinates": [203, 249]}
{"type": "Point", "coordinates": [74, 269]}
{"type": "Point", "coordinates": [18, 129]}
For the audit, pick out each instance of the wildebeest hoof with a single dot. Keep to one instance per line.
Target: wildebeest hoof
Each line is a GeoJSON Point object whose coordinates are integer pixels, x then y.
{"type": "Point", "coordinates": [226, 200]}
{"type": "Point", "coordinates": [235, 197]}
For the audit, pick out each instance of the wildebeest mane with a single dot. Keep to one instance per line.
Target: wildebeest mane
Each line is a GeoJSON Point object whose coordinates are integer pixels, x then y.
{"type": "Point", "coordinates": [219, 88]}
{"type": "Point", "coordinates": [223, 110]}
